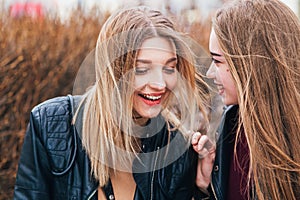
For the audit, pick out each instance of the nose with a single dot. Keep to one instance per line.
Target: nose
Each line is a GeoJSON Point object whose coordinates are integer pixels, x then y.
{"type": "Point", "coordinates": [157, 80]}
{"type": "Point", "coordinates": [211, 72]}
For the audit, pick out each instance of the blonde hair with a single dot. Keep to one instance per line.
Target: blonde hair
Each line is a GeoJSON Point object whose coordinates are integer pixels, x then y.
{"type": "Point", "coordinates": [107, 116]}
{"type": "Point", "coordinates": [261, 42]}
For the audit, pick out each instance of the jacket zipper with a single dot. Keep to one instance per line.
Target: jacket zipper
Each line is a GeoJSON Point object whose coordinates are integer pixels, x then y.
{"type": "Point", "coordinates": [213, 190]}
{"type": "Point", "coordinates": [152, 179]}
{"type": "Point", "coordinates": [92, 194]}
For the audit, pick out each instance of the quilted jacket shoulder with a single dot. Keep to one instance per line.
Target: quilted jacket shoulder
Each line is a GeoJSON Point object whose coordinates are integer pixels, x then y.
{"type": "Point", "coordinates": [54, 119]}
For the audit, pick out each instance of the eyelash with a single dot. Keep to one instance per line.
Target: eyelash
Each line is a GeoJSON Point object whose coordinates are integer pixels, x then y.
{"type": "Point", "coordinates": [215, 61]}
{"type": "Point", "coordinates": [144, 70]}
{"type": "Point", "coordinates": [169, 69]}
{"type": "Point", "coordinates": [141, 70]}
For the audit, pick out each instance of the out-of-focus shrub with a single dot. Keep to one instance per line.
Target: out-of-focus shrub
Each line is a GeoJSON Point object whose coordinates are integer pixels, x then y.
{"type": "Point", "coordinates": [39, 60]}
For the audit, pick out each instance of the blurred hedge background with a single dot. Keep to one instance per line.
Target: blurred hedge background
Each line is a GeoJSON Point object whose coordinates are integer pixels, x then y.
{"type": "Point", "coordinates": [39, 60]}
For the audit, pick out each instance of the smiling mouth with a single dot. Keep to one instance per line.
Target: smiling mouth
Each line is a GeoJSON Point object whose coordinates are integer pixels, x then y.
{"type": "Point", "coordinates": [150, 97]}
{"type": "Point", "coordinates": [219, 86]}
{"type": "Point", "coordinates": [221, 89]}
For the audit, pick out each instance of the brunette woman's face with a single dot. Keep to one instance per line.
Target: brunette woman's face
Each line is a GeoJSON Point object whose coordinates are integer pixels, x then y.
{"type": "Point", "coordinates": [220, 73]}
{"type": "Point", "coordinates": [155, 76]}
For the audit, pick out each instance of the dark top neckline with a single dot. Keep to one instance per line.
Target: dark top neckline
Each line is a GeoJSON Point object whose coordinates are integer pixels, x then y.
{"type": "Point", "coordinates": [108, 190]}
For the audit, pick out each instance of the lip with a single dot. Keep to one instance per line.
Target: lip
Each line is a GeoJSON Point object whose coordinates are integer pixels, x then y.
{"type": "Point", "coordinates": [151, 99]}
{"type": "Point", "coordinates": [220, 88]}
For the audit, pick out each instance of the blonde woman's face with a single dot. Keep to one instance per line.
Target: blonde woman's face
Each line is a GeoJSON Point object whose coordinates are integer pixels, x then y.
{"type": "Point", "coordinates": [155, 76]}
{"type": "Point", "coordinates": [220, 73]}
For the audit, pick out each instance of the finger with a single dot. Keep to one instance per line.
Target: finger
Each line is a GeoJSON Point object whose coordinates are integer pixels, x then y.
{"type": "Point", "coordinates": [210, 146]}
{"type": "Point", "coordinates": [204, 153]}
{"type": "Point", "coordinates": [196, 136]}
{"type": "Point", "coordinates": [201, 142]}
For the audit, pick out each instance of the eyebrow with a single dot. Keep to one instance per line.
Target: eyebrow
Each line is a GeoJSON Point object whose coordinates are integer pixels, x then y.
{"type": "Point", "coordinates": [215, 54]}
{"type": "Point", "coordinates": [149, 61]}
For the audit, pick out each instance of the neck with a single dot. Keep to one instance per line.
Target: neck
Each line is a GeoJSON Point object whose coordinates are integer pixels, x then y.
{"type": "Point", "coordinates": [140, 120]}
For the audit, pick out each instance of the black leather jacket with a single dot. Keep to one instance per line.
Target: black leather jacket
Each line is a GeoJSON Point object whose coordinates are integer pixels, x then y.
{"type": "Point", "coordinates": [218, 187]}
{"type": "Point", "coordinates": [53, 164]}
{"type": "Point", "coordinates": [225, 145]}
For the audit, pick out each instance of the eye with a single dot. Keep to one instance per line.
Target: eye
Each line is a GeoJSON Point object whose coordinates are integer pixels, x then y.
{"type": "Point", "coordinates": [140, 70]}
{"type": "Point", "coordinates": [215, 60]}
{"type": "Point", "coordinates": [169, 69]}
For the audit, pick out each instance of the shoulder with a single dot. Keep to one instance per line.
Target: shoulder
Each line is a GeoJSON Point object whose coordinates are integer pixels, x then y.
{"type": "Point", "coordinates": [56, 108]}
{"type": "Point", "coordinates": [52, 122]}
{"type": "Point", "coordinates": [53, 117]}
{"type": "Point", "coordinates": [53, 107]}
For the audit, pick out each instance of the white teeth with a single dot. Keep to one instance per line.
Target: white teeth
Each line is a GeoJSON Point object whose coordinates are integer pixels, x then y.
{"type": "Point", "coordinates": [152, 97]}
{"type": "Point", "coordinates": [220, 87]}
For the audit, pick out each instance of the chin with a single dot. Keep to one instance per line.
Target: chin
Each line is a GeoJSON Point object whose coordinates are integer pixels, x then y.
{"type": "Point", "coordinates": [151, 113]}
{"type": "Point", "coordinates": [227, 103]}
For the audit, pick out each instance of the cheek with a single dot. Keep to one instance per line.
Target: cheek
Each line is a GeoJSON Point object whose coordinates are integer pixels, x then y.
{"type": "Point", "coordinates": [232, 90]}
{"type": "Point", "coordinates": [229, 79]}
{"type": "Point", "coordinates": [139, 82]}
{"type": "Point", "coordinates": [171, 81]}
{"type": "Point", "coordinates": [224, 75]}
{"type": "Point", "coordinates": [136, 102]}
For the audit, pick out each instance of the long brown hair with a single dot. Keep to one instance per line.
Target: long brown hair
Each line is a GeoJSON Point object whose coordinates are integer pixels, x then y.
{"type": "Point", "coordinates": [261, 42]}
{"type": "Point", "coordinates": [107, 116]}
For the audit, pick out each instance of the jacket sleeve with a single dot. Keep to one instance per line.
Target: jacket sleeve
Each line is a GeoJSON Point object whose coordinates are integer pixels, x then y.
{"type": "Point", "coordinates": [34, 176]}
{"type": "Point", "coordinates": [201, 195]}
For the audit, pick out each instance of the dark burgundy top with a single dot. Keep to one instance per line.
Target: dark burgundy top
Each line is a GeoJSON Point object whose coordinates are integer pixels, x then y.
{"type": "Point", "coordinates": [237, 185]}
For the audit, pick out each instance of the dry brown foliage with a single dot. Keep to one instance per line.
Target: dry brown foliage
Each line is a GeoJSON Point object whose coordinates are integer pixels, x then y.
{"type": "Point", "coordinates": [39, 60]}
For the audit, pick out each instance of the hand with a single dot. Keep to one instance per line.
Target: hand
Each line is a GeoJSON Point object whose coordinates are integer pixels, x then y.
{"type": "Point", "coordinates": [206, 152]}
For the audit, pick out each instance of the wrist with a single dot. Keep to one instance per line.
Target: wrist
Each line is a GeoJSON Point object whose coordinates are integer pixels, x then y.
{"type": "Point", "coordinates": [204, 190]}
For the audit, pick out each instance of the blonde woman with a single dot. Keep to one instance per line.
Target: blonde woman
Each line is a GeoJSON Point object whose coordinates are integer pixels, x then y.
{"type": "Point", "coordinates": [123, 141]}
{"type": "Point", "coordinates": [255, 47]}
